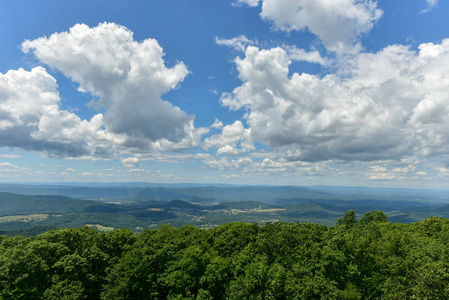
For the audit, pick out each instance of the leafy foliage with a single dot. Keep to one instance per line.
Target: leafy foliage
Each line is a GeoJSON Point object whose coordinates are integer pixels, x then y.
{"type": "Point", "coordinates": [369, 258]}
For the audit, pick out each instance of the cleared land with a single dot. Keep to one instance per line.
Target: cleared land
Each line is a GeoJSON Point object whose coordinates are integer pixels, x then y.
{"type": "Point", "coordinates": [26, 218]}
{"type": "Point", "coordinates": [100, 227]}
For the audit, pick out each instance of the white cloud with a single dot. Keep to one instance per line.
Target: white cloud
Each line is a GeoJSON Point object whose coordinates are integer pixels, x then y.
{"type": "Point", "coordinates": [430, 5]}
{"type": "Point", "coordinates": [382, 176]}
{"type": "Point", "coordinates": [234, 139]}
{"type": "Point", "coordinates": [382, 173]}
{"type": "Point", "coordinates": [127, 77]}
{"type": "Point", "coordinates": [266, 166]}
{"type": "Point", "coordinates": [130, 162]}
{"type": "Point", "coordinates": [378, 169]}
{"type": "Point", "coordinates": [252, 3]}
{"type": "Point", "coordinates": [386, 105]}
{"type": "Point", "coordinates": [217, 124]}
{"type": "Point", "coordinates": [31, 117]}
{"type": "Point", "coordinates": [338, 24]}
{"type": "Point", "coordinates": [8, 165]}
{"type": "Point", "coordinates": [298, 54]}
{"type": "Point", "coordinates": [406, 169]}
{"type": "Point", "coordinates": [238, 43]}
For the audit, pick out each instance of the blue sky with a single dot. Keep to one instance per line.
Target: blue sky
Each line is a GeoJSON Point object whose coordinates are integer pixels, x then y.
{"type": "Point", "coordinates": [284, 92]}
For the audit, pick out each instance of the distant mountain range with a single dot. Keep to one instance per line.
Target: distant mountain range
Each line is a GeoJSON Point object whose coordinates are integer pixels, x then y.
{"type": "Point", "coordinates": [207, 193]}
{"type": "Point", "coordinates": [24, 208]}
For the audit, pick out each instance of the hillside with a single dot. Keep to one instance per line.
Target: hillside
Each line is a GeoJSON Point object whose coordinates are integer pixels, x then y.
{"type": "Point", "coordinates": [153, 206]}
{"type": "Point", "coordinates": [368, 258]}
{"type": "Point", "coordinates": [14, 204]}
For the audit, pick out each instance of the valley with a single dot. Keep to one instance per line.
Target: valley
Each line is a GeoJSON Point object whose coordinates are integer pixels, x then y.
{"type": "Point", "coordinates": [31, 209]}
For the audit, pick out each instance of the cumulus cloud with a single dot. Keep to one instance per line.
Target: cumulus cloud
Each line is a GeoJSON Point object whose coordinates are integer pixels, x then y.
{"type": "Point", "coordinates": [338, 24]}
{"type": "Point", "coordinates": [297, 54]}
{"type": "Point", "coordinates": [128, 79]}
{"type": "Point", "coordinates": [267, 166]}
{"type": "Point", "coordinates": [381, 173]}
{"type": "Point", "coordinates": [127, 76]}
{"type": "Point", "coordinates": [217, 124]}
{"type": "Point", "coordinates": [363, 112]}
{"type": "Point", "coordinates": [238, 43]}
{"type": "Point", "coordinates": [130, 162]}
{"type": "Point", "coordinates": [234, 139]}
{"type": "Point", "coordinates": [241, 42]}
{"type": "Point", "coordinates": [31, 117]}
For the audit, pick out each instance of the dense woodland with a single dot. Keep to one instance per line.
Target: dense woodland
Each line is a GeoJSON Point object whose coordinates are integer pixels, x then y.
{"type": "Point", "coordinates": [371, 258]}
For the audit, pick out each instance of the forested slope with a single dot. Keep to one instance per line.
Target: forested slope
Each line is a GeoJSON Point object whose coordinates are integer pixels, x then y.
{"type": "Point", "coordinates": [366, 259]}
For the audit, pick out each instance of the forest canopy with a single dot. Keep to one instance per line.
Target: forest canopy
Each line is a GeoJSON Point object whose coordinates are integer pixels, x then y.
{"type": "Point", "coordinates": [370, 258]}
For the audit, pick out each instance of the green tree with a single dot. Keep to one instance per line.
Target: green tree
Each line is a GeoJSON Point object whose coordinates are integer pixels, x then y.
{"type": "Point", "coordinates": [347, 219]}
{"type": "Point", "coordinates": [374, 216]}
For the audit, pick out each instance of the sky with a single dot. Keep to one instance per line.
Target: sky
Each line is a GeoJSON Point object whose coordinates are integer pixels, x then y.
{"type": "Point", "coordinates": [279, 92]}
